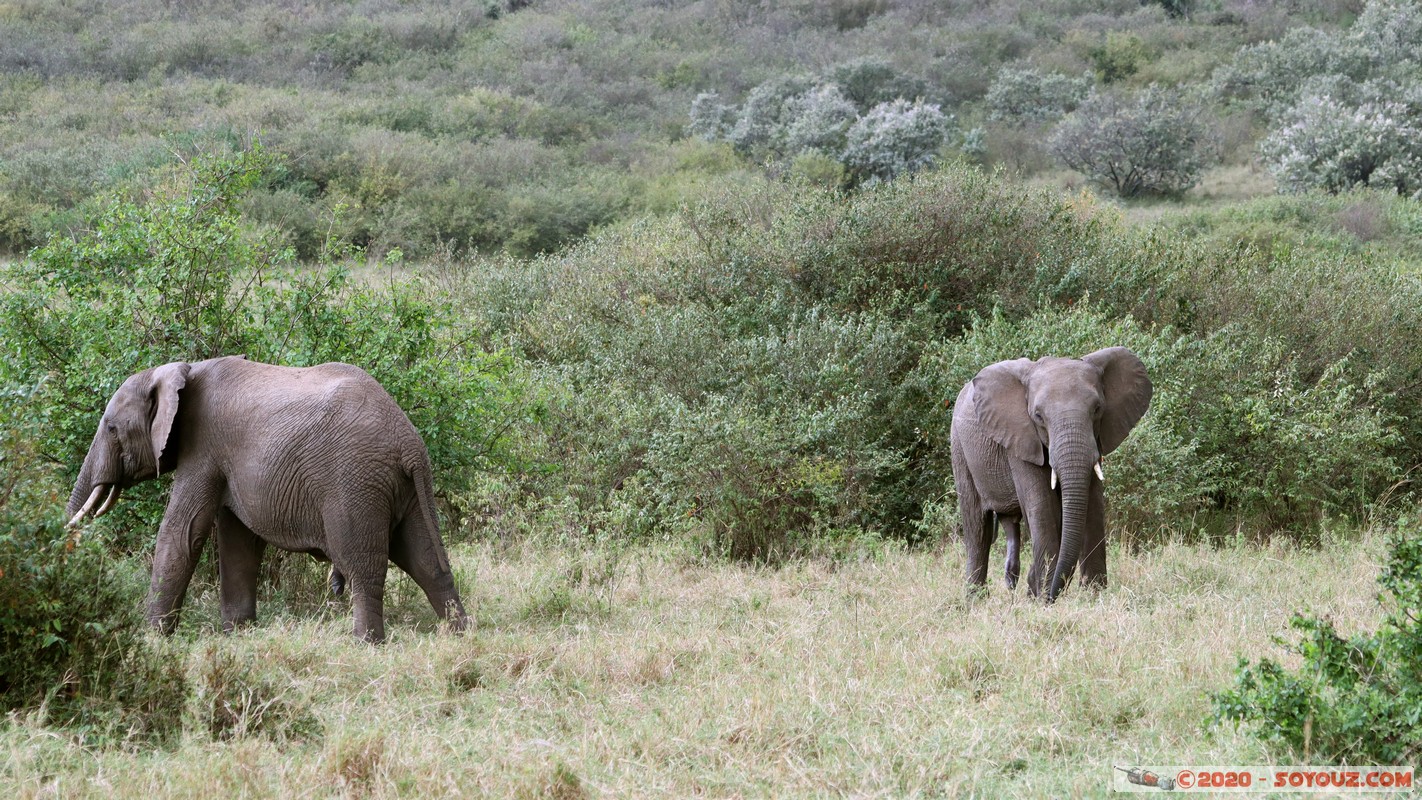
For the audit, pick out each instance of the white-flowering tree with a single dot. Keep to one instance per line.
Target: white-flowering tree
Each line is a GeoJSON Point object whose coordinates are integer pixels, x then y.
{"type": "Point", "coordinates": [1150, 142]}
{"type": "Point", "coordinates": [894, 138]}
{"type": "Point", "coordinates": [818, 120]}
{"type": "Point", "coordinates": [1329, 145]}
{"type": "Point", "coordinates": [1344, 108]}
{"type": "Point", "coordinates": [801, 124]}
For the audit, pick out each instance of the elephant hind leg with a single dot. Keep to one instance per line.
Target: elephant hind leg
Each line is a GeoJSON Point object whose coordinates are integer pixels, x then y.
{"type": "Point", "coordinates": [239, 555]}
{"type": "Point", "coordinates": [417, 550]}
{"type": "Point", "coordinates": [979, 530]}
{"type": "Point", "coordinates": [1013, 530]}
{"type": "Point", "coordinates": [358, 546]}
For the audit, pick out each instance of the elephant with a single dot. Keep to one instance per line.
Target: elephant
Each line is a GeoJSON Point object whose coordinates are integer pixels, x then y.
{"type": "Point", "coordinates": [317, 459]}
{"type": "Point", "coordinates": [1027, 441]}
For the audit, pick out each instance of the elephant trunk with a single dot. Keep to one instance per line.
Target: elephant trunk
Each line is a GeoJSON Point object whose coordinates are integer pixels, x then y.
{"type": "Point", "coordinates": [90, 488]}
{"type": "Point", "coordinates": [84, 485]}
{"type": "Point", "coordinates": [1074, 458]}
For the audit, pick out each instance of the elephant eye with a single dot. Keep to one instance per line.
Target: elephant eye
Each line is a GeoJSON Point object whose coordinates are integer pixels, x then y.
{"type": "Point", "coordinates": [112, 427]}
{"type": "Point", "coordinates": [1037, 415]}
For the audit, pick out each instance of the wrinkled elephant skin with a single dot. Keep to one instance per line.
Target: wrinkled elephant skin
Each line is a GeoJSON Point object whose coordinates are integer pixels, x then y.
{"type": "Point", "coordinates": [1027, 439]}
{"type": "Point", "coordinates": [318, 460]}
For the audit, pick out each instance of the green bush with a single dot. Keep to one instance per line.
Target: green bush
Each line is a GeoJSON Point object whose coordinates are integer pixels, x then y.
{"type": "Point", "coordinates": [73, 639]}
{"type": "Point", "coordinates": [1352, 700]}
{"type": "Point", "coordinates": [184, 277]}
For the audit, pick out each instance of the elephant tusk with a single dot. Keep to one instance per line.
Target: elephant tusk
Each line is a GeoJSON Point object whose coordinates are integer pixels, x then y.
{"type": "Point", "coordinates": [88, 505]}
{"type": "Point", "coordinates": [1099, 473]}
{"type": "Point", "coordinates": [1054, 478]}
{"type": "Point", "coordinates": [109, 501]}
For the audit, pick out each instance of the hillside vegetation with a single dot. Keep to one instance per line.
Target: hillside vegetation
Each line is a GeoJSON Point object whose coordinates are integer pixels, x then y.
{"type": "Point", "coordinates": [685, 381]}
{"type": "Point", "coordinates": [520, 126]}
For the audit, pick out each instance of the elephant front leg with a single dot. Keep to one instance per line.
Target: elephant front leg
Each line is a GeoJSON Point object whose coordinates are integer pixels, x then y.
{"type": "Point", "coordinates": [186, 525]}
{"type": "Point", "coordinates": [1041, 509]}
{"type": "Point", "coordinates": [239, 555]}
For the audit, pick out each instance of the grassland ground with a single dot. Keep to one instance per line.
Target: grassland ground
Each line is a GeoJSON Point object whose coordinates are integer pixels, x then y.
{"type": "Point", "coordinates": [645, 673]}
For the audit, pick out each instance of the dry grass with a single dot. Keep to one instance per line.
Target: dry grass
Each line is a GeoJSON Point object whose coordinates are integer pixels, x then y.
{"type": "Point", "coordinates": [643, 674]}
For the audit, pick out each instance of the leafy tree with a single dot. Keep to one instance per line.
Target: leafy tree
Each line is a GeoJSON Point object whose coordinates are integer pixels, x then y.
{"type": "Point", "coordinates": [867, 82]}
{"type": "Point", "coordinates": [1151, 142]}
{"type": "Point", "coordinates": [181, 275]}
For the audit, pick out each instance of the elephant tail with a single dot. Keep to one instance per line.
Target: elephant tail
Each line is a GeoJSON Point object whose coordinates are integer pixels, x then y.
{"type": "Point", "coordinates": [422, 475]}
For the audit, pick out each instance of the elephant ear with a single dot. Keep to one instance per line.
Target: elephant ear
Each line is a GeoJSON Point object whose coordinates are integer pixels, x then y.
{"type": "Point", "coordinates": [168, 380]}
{"type": "Point", "coordinates": [1000, 399]}
{"type": "Point", "coordinates": [1127, 390]}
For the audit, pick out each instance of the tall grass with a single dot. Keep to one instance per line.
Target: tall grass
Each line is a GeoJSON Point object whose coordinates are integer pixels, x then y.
{"type": "Point", "coordinates": [652, 672]}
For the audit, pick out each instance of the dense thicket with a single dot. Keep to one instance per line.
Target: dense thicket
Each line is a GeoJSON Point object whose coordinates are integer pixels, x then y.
{"type": "Point", "coordinates": [775, 362]}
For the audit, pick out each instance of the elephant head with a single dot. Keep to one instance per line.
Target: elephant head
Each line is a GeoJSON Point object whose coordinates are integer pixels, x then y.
{"type": "Point", "coordinates": [132, 444]}
{"type": "Point", "coordinates": [1064, 414]}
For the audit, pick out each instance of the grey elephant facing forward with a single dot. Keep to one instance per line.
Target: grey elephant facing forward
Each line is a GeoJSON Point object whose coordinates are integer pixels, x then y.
{"type": "Point", "coordinates": [1027, 441]}
{"type": "Point", "coordinates": [318, 460]}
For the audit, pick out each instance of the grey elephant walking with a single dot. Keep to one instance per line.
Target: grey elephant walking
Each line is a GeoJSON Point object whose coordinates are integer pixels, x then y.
{"type": "Point", "coordinates": [318, 460]}
{"type": "Point", "coordinates": [1027, 442]}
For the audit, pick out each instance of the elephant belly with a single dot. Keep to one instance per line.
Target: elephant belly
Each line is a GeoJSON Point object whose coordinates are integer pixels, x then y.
{"type": "Point", "coordinates": [994, 482]}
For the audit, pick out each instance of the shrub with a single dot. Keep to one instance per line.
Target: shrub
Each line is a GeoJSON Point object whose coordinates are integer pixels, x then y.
{"type": "Point", "coordinates": [1152, 143]}
{"type": "Point", "coordinates": [1352, 700]}
{"type": "Point", "coordinates": [72, 634]}
{"type": "Point", "coordinates": [821, 334]}
{"type": "Point", "coordinates": [1118, 57]}
{"type": "Point", "coordinates": [1029, 96]}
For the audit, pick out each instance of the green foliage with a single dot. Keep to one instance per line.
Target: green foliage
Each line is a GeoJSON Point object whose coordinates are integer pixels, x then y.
{"type": "Point", "coordinates": [1352, 700]}
{"type": "Point", "coordinates": [182, 276]}
{"type": "Point", "coordinates": [1029, 96]}
{"type": "Point", "coordinates": [1152, 143]}
{"type": "Point", "coordinates": [72, 633]}
{"type": "Point", "coordinates": [1118, 57]}
{"type": "Point", "coordinates": [775, 364]}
